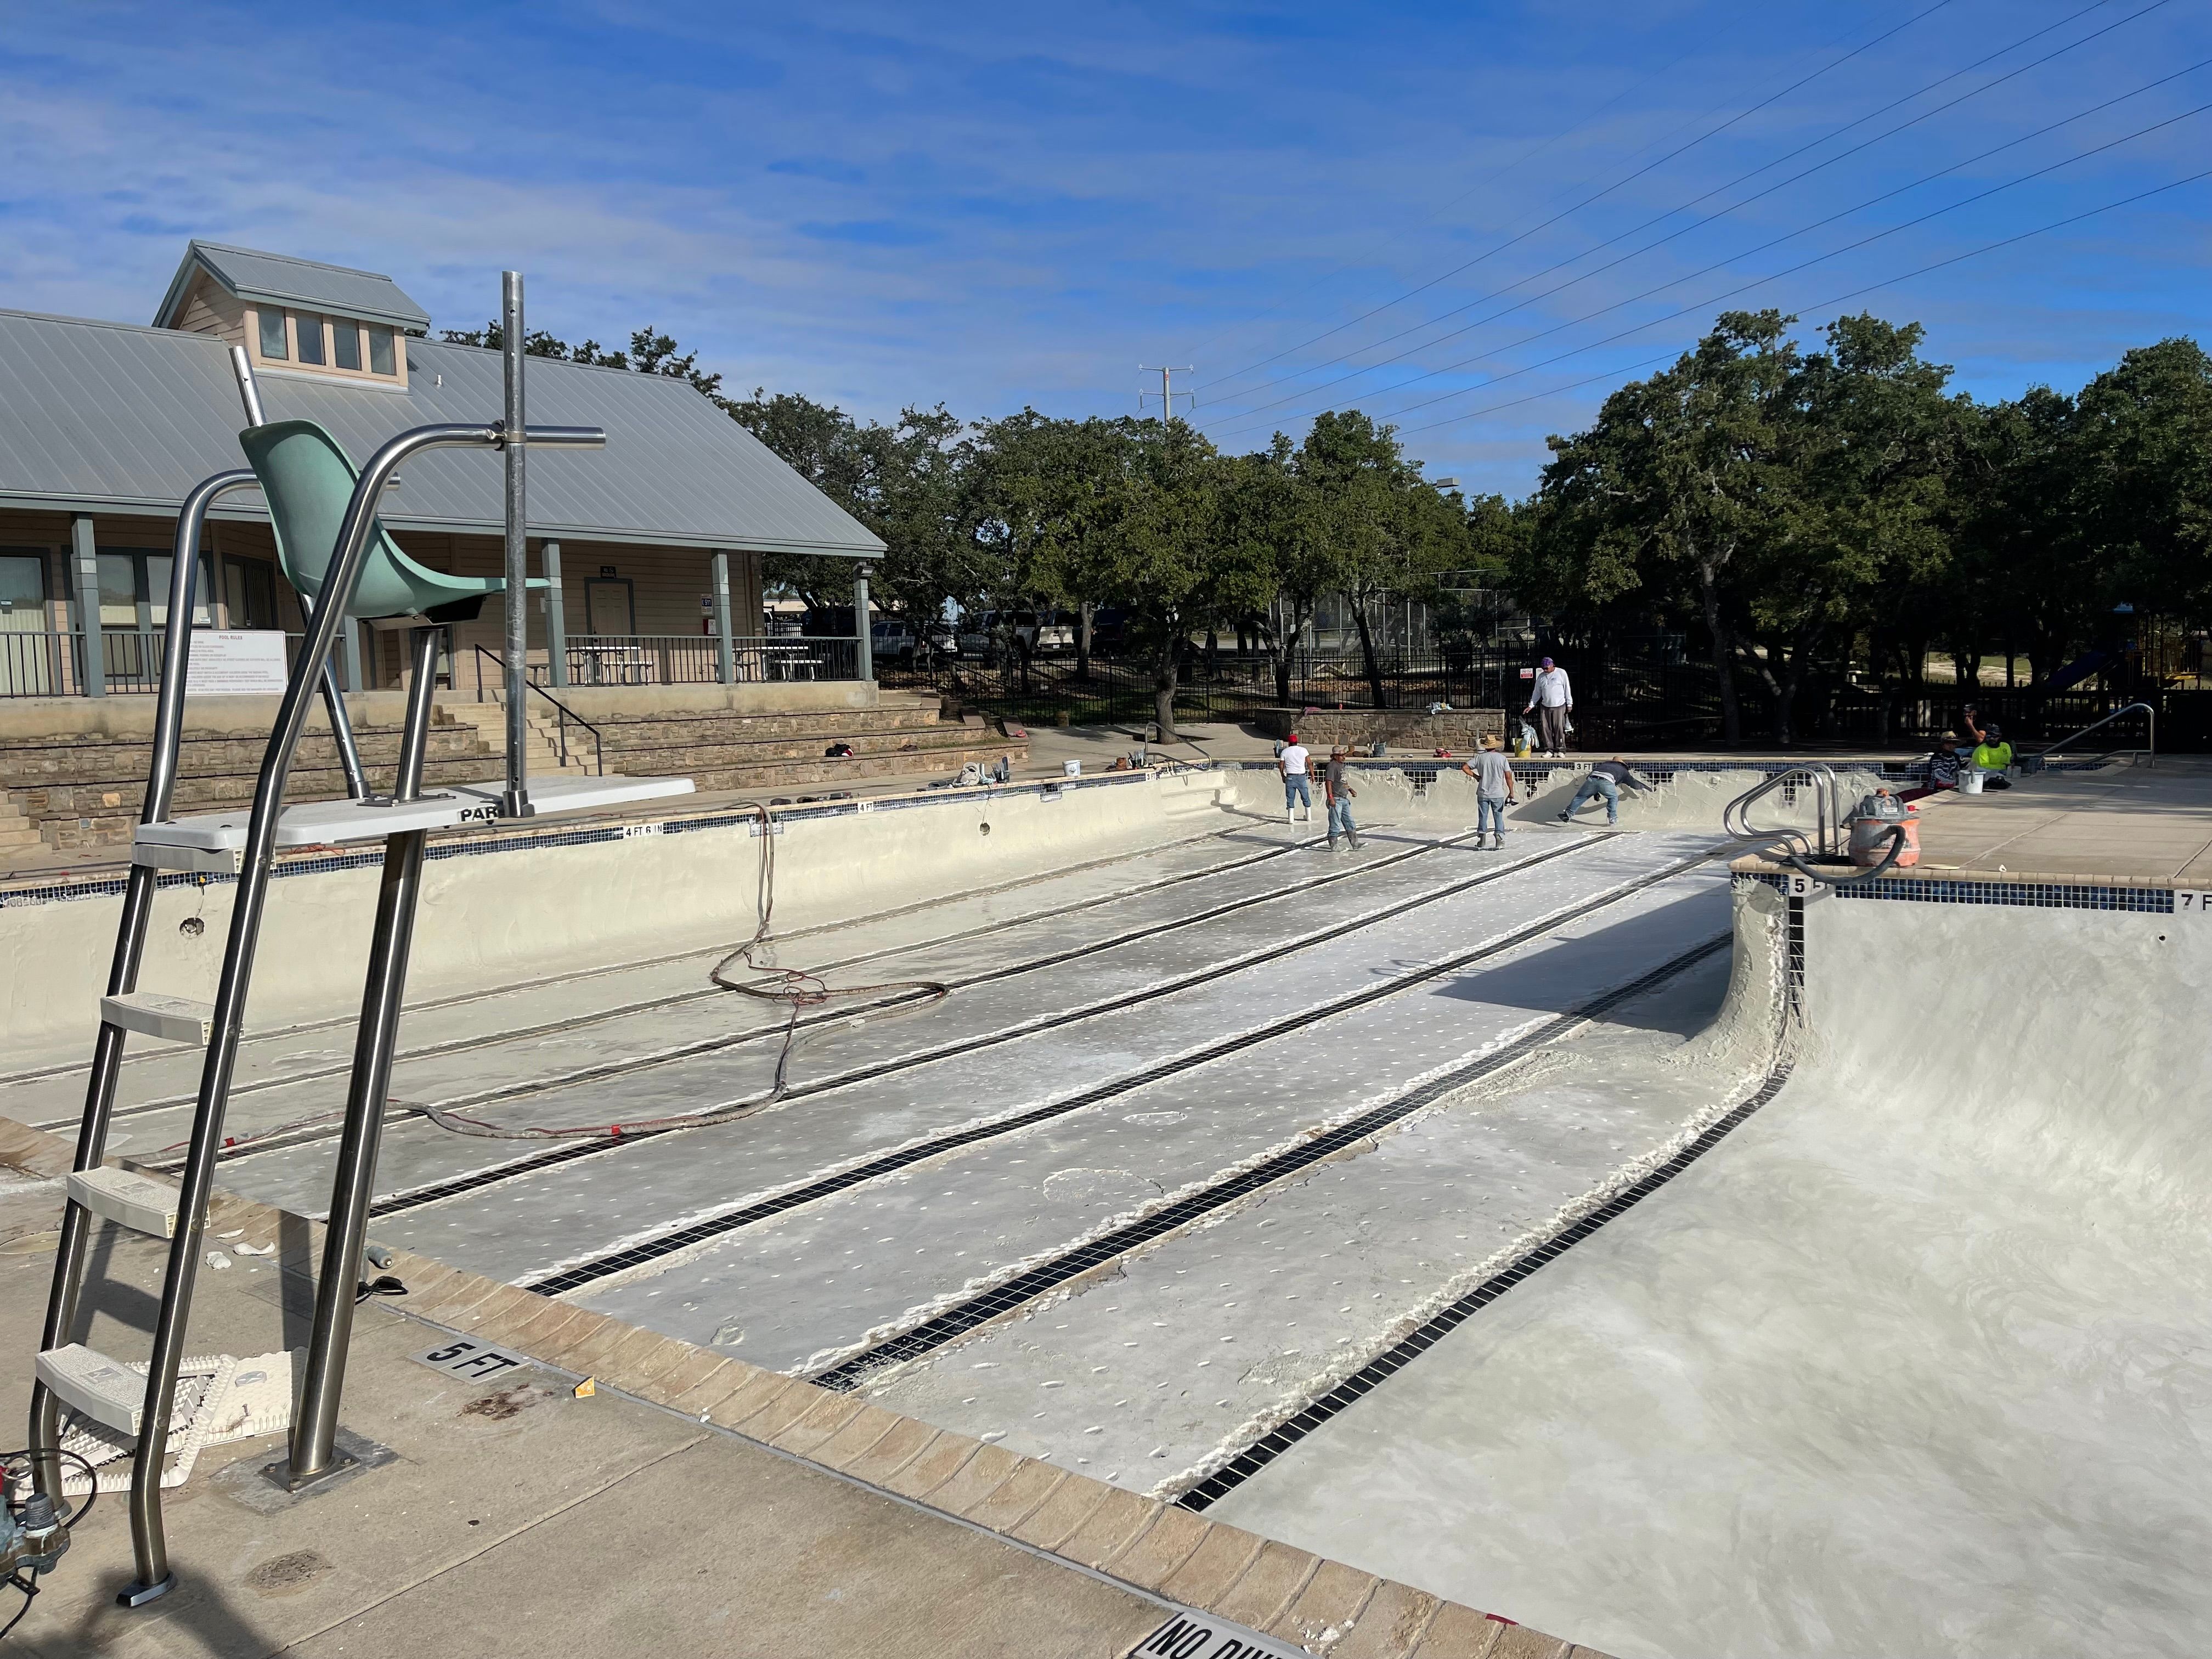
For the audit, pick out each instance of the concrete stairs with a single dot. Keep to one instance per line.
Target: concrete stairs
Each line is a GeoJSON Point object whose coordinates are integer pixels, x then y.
{"type": "Point", "coordinates": [19, 832]}
{"type": "Point", "coordinates": [542, 750]}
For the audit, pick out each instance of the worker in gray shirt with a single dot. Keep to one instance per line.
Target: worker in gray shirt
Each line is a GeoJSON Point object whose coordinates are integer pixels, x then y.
{"type": "Point", "coordinates": [1494, 791]}
{"type": "Point", "coordinates": [1605, 779]}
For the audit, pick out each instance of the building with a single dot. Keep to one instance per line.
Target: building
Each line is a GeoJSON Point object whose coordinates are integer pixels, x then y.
{"type": "Point", "coordinates": [105, 427]}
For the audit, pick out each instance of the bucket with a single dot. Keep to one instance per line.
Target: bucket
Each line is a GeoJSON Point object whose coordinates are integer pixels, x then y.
{"type": "Point", "coordinates": [1970, 781]}
{"type": "Point", "coordinates": [1071, 769]}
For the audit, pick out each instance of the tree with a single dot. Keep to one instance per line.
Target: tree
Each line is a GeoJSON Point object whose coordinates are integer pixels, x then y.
{"type": "Point", "coordinates": [2141, 449]}
{"type": "Point", "coordinates": [1267, 526]}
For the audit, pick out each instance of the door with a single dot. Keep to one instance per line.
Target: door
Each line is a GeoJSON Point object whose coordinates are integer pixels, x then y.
{"type": "Point", "coordinates": [27, 641]}
{"type": "Point", "coordinates": [608, 607]}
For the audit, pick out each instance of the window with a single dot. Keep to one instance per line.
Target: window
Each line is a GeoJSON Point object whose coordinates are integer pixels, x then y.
{"type": "Point", "coordinates": [133, 591]}
{"type": "Point", "coordinates": [379, 351]}
{"type": "Point", "coordinates": [249, 589]}
{"type": "Point", "coordinates": [309, 329]}
{"type": "Point", "coordinates": [272, 334]}
{"type": "Point", "coordinates": [345, 343]}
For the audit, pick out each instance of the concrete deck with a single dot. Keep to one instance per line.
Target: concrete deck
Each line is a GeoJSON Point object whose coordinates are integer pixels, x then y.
{"type": "Point", "coordinates": [2152, 824]}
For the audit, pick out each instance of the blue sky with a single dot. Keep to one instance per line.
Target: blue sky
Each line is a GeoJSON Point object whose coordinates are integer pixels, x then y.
{"type": "Point", "coordinates": [992, 205]}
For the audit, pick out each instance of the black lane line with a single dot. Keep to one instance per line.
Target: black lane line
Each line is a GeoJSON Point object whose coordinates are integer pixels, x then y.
{"type": "Point", "coordinates": [958, 1320]}
{"type": "Point", "coordinates": [460, 1045]}
{"type": "Point", "coordinates": [1394, 1359]}
{"type": "Point", "coordinates": [561, 1281]}
{"type": "Point", "coordinates": [634, 1063]}
{"type": "Point", "coordinates": [571, 1150]}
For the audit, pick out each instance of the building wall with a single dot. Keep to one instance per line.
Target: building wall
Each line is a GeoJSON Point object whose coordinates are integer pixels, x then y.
{"type": "Point", "coordinates": [666, 584]}
{"type": "Point", "coordinates": [208, 309]}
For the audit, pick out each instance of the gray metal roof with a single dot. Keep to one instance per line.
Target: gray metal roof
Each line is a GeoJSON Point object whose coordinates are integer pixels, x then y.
{"type": "Point", "coordinates": [106, 416]}
{"type": "Point", "coordinates": [278, 277]}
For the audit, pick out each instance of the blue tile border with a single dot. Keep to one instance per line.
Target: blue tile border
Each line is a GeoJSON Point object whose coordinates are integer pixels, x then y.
{"type": "Point", "coordinates": [2015, 894]}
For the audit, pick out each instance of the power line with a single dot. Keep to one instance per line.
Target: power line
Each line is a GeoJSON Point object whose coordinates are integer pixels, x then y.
{"type": "Point", "coordinates": [1864, 241]}
{"type": "Point", "coordinates": [1740, 115]}
{"type": "Point", "coordinates": [1821, 305]}
{"type": "Point", "coordinates": [1792, 235]}
{"type": "Point", "coordinates": [1710, 218]}
{"type": "Point", "coordinates": [1496, 172]}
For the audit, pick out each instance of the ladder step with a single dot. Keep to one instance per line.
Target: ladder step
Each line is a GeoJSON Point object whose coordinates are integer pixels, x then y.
{"type": "Point", "coordinates": [128, 1198]}
{"type": "Point", "coordinates": [104, 1390]}
{"type": "Point", "coordinates": [202, 860]}
{"type": "Point", "coordinates": [178, 1018]}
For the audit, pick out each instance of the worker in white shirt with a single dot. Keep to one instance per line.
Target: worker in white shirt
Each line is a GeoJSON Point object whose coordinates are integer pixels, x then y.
{"type": "Point", "coordinates": [1296, 793]}
{"type": "Point", "coordinates": [1551, 700]}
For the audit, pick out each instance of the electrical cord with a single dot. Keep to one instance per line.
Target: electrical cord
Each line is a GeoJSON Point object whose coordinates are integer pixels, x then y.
{"type": "Point", "coordinates": [69, 1523]}
{"type": "Point", "coordinates": [795, 986]}
{"type": "Point", "coordinates": [30, 1588]}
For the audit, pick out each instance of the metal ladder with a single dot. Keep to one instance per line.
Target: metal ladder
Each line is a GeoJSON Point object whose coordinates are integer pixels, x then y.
{"type": "Point", "coordinates": [102, 1388]}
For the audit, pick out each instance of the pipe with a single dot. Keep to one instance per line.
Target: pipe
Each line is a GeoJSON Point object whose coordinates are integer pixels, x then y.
{"type": "Point", "coordinates": [315, 1431]}
{"type": "Point", "coordinates": [514, 342]}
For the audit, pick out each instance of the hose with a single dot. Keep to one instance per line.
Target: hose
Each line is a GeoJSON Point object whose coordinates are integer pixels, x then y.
{"type": "Point", "coordinates": [796, 986]}
{"type": "Point", "coordinates": [1888, 859]}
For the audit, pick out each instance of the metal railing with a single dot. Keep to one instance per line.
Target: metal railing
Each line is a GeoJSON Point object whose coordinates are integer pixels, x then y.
{"type": "Point", "coordinates": [697, 658]}
{"type": "Point", "coordinates": [47, 664]}
{"type": "Point", "coordinates": [2145, 708]}
{"type": "Point", "coordinates": [1827, 811]}
{"type": "Point", "coordinates": [564, 715]}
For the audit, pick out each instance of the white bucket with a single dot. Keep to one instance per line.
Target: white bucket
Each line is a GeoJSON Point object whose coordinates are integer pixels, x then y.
{"type": "Point", "coordinates": [1071, 769]}
{"type": "Point", "coordinates": [1970, 781]}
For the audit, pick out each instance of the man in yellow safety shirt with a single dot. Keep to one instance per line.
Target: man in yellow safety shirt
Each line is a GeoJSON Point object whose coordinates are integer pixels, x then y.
{"type": "Point", "coordinates": [1992, 754]}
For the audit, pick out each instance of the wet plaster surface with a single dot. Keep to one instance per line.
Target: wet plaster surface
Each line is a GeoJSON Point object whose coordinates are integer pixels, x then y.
{"type": "Point", "coordinates": [1914, 1362]}
{"type": "Point", "coordinates": [1145, 1376]}
{"type": "Point", "coordinates": [532, 1222]}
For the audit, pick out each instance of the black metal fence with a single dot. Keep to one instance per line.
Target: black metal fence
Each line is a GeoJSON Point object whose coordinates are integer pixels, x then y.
{"type": "Point", "coordinates": [1640, 698]}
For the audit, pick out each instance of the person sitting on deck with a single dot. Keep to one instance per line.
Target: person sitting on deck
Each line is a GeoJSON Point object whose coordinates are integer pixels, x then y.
{"type": "Point", "coordinates": [1942, 768]}
{"type": "Point", "coordinates": [1604, 779]}
{"type": "Point", "coordinates": [1992, 754]}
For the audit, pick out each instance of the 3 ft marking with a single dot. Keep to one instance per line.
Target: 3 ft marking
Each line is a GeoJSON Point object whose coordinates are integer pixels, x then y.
{"type": "Point", "coordinates": [473, 1360]}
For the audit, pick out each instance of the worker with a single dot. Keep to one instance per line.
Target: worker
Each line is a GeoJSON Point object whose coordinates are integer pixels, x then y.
{"type": "Point", "coordinates": [1992, 755]}
{"type": "Point", "coordinates": [1551, 699]}
{"type": "Point", "coordinates": [1943, 766]}
{"type": "Point", "coordinates": [1605, 779]}
{"type": "Point", "coordinates": [1291, 765]}
{"type": "Point", "coordinates": [1493, 791]}
{"type": "Point", "coordinates": [1336, 793]}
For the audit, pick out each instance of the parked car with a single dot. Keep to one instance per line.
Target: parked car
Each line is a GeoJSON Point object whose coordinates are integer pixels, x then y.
{"type": "Point", "coordinates": [894, 639]}
{"type": "Point", "coordinates": [1041, 633]}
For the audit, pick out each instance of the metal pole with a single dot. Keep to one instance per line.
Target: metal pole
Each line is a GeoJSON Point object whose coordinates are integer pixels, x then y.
{"type": "Point", "coordinates": [515, 803]}
{"type": "Point", "coordinates": [84, 556]}
{"type": "Point", "coordinates": [863, 656]}
{"type": "Point", "coordinates": [315, 1430]}
{"type": "Point", "coordinates": [556, 619]}
{"type": "Point", "coordinates": [122, 970]}
{"type": "Point", "coordinates": [725, 663]}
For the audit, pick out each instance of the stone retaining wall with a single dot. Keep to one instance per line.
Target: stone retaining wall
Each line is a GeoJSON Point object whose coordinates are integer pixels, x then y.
{"type": "Point", "coordinates": [1458, 729]}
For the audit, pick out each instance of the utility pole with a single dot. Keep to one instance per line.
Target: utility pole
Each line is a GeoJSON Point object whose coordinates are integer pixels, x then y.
{"type": "Point", "coordinates": [1167, 394]}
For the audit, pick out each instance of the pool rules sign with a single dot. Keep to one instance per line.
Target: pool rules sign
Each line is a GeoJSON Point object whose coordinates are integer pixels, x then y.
{"type": "Point", "coordinates": [1202, 1635]}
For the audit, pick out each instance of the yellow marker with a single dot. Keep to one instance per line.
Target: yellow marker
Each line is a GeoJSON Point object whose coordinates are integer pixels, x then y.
{"type": "Point", "coordinates": [587, 1389]}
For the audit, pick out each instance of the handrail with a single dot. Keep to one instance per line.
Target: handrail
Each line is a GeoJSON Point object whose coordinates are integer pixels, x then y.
{"type": "Point", "coordinates": [2045, 753]}
{"type": "Point", "coordinates": [1735, 817]}
{"type": "Point", "coordinates": [561, 726]}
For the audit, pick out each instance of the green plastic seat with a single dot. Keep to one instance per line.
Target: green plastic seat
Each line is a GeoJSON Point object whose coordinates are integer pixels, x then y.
{"type": "Point", "coordinates": [308, 479]}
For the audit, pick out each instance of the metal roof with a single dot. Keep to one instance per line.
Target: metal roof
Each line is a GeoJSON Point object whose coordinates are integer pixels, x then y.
{"type": "Point", "coordinates": [278, 277]}
{"type": "Point", "coordinates": [109, 416]}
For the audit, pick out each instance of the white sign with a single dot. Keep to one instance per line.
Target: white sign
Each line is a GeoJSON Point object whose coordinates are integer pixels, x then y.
{"type": "Point", "coordinates": [2189, 901]}
{"type": "Point", "coordinates": [1202, 1635]}
{"type": "Point", "coordinates": [236, 662]}
{"type": "Point", "coordinates": [473, 1360]}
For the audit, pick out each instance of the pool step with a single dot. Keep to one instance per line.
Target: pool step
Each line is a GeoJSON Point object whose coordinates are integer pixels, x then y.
{"type": "Point", "coordinates": [153, 1013]}
{"type": "Point", "coordinates": [104, 1390]}
{"type": "Point", "coordinates": [127, 1197]}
